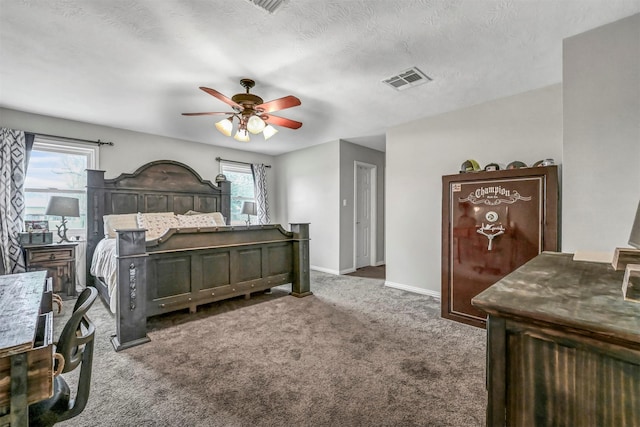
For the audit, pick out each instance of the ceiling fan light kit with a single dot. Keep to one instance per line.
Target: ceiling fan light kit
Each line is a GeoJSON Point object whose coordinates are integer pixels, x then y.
{"type": "Point", "coordinates": [255, 125]}
{"type": "Point", "coordinates": [242, 135]}
{"type": "Point", "coordinates": [252, 113]}
{"type": "Point", "coordinates": [269, 131]}
{"type": "Point", "coordinates": [225, 126]}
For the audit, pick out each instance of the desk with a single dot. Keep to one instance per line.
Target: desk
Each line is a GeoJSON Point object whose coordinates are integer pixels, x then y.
{"type": "Point", "coordinates": [563, 346]}
{"type": "Point", "coordinates": [26, 336]}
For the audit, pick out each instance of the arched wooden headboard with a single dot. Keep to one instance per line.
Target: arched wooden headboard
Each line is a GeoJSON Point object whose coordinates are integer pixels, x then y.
{"type": "Point", "coordinates": [158, 186]}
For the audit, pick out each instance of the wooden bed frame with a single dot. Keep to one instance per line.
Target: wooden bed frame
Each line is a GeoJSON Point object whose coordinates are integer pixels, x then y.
{"type": "Point", "coordinates": [186, 267]}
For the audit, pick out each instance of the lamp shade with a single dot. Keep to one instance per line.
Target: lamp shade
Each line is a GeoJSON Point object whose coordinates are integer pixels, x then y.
{"type": "Point", "coordinates": [225, 126]}
{"type": "Point", "coordinates": [634, 238]}
{"type": "Point", "coordinates": [242, 135]}
{"type": "Point", "coordinates": [249, 208]}
{"type": "Point", "coordinates": [255, 125]}
{"type": "Point", "coordinates": [63, 206]}
{"type": "Point", "coordinates": [269, 131]}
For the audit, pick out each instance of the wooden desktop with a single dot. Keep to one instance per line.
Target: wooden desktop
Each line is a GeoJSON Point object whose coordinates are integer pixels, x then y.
{"type": "Point", "coordinates": [26, 344]}
{"type": "Point", "coordinates": [563, 346]}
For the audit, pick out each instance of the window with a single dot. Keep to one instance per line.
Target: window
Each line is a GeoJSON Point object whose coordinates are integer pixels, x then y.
{"type": "Point", "coordinates": [241, 179]}
{"type": "Point", "coordinates": [58, 168]}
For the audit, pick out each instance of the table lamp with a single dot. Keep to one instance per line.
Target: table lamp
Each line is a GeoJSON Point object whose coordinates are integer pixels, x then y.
{"type": "Point", "coordinates": [64, 207]}
{"type": "Point", "coordinates": [249, 208]}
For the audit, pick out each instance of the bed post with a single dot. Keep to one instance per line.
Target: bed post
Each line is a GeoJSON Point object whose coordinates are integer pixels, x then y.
{"type": "Point", "coordinates": [95, 205]}
{"type": "Point", "coordinates": [301, 285]}
{"type": "Point", "coordinates": [131, 314]}
{"type": "Point", "coordinates": [225, 200]}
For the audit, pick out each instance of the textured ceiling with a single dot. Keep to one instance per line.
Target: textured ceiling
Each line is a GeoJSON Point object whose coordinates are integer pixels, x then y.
{"type": "Point", "coordinates": [137, 64]}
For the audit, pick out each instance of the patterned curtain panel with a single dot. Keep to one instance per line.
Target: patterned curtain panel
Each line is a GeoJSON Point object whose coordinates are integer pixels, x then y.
{"type": "Point", "coordinates": [12, 174]}
{"type": "Point", "coordinates": [260, 188]}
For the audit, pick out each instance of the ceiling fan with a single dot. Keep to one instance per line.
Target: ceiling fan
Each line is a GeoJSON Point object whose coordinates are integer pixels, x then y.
{"type": "Point", "coordinates": [252, 113]}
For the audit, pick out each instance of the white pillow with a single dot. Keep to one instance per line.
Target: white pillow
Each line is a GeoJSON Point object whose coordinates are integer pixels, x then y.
{"type": "Point", "coordinates": [219, 219]}
{"type": "Point", "coordinates": [201, 220]}
{"type": "Point", "coordinates": [157, 224]}
{"type": "Point", "coordinates": [118, 222]}
{"type": "Point", "coordinates": [217, 216]}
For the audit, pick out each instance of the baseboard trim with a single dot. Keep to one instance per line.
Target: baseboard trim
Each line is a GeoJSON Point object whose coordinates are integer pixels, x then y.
{"type": "Point", "coordinates": [325, 270]}
{"type": "Point", "coordinates": [413, 289]}
{"type": "Point", "coordinates": [379, 263]}
{"type": "Point", "coordinates": [336, 272]}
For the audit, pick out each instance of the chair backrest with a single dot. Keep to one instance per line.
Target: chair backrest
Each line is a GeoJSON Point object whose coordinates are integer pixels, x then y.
{"type": "Point", "coordinates": [76, 346]}
{"type": "Point", "coordinates": [77, 405]}
{"type": "Point", "coordinates": [78, 331]}
{"type": "Point", "coordinates": [85, 295]}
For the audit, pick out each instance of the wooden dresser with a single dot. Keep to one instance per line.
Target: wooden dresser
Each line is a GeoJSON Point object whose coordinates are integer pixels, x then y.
{"type": "Point", "coordinates": [26, 345]}
{"type": "Point", "coordinates": [59, 259]}
{"type": "Point", "coordinates": [563, 346]}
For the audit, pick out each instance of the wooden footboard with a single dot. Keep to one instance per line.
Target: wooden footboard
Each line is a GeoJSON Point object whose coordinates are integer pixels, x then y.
{"type": "Point", "coordinates": [189, 267]}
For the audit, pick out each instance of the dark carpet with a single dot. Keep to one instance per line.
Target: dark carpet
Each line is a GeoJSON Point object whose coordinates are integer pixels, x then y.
{"type": "Point", "coordinates": [355, 353]}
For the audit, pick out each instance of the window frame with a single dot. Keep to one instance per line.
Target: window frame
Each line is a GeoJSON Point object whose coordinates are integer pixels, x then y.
{"type": "Point", "coordinates": [240, 168]}
{"type": "Point", "coordinates": [62, 146]}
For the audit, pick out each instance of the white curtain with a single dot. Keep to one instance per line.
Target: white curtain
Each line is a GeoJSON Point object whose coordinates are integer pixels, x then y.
{"type": "Point", "coordinates": [260, 188]}
{"type": "Point", "coordinates": [12, 173]}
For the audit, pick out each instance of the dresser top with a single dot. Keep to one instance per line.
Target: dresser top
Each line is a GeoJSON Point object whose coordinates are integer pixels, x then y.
{"type": "Point", "coordinates": [20, 298]}
{"type": "Point", "coordinates": [49, 246]}
{"type": "Point", "coordinates": [577, 294]}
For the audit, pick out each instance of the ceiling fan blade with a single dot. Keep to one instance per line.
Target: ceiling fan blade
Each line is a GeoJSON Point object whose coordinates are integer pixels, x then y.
{"type": "Point", "coordinates": [281, 121]}
{"type": "Point", "coordinates": [221, 97]}
{"type": "Point", "coordinates": [213, 113]}
{"type": "Point", "coordinates": [279, 104]}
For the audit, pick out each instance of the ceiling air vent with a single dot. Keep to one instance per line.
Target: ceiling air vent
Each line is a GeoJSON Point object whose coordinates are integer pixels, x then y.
{"type": "Point", "coordinates": [408, 78]}
{"type": "Point", "coordinates": [269, 5]}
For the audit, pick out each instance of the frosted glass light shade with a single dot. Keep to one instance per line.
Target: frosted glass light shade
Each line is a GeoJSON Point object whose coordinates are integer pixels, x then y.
{"type": "Point", "coordinates": [269, 131]}
{"type": "Point", "coordinates": [242, 135]}
{"type": "Point", "coordinates": [225, 126]}
{"type": "Point", "coordinates": [255, 125]}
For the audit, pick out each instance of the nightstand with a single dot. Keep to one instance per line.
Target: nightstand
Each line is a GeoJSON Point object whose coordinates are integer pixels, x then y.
{"type": "Point", "coordinates": [60, 262]}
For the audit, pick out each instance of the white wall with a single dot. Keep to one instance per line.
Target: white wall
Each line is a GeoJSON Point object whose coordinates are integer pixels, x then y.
{"type": "Point", "coordinates": [308, 190]}
{"type": "Point", "coordinates": [133, 149]}
{"type": "Point", "coordinates": [350, 153]}
{"type": "Point", "coordinates": [601, 96]}
{"type": "Point", "coordinates": [526, 127]}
